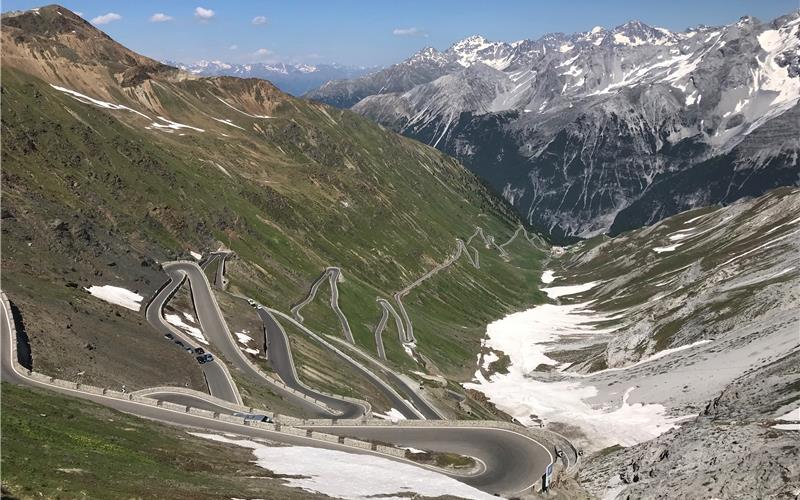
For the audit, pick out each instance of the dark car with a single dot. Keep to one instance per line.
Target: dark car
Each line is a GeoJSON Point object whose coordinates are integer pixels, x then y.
{"type": "Point", "coordinates": [168, 336]}
{"type": "Point", "coordinates": [208, 357]}
{"type": "Point", "coordinates": [188, 348]}
{"type": "Point", "coordinates": [179, 343]}
{"type": "Point", "coordinates": [199, 350]}
{"type": "Point", "coordinates": [200, 359]}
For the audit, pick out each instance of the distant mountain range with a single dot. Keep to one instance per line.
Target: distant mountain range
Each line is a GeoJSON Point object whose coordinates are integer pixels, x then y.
{"type": "Point", "coordinates": [295, 79]}
{"type": "Point", "coordinates": [605, 130]}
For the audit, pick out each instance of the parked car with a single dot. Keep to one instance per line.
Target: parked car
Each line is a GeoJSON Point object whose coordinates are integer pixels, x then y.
{"type": "Point", "coordinates": [169, 336]}
{"type": "Point", "coordinates": [251, 302]}
{"type": "Point", "coordinates": [200, 359]}
{"type": "Point", "coordinates": [199, 350]}
{"type": "Point", "coordinates": [179, 343]}
{"type": "Point", "coordinates": [208, 357]}
{"type": "Point", "coordinates": [254, 417]}
{"type": "Point", "coordinates": [189, 348]}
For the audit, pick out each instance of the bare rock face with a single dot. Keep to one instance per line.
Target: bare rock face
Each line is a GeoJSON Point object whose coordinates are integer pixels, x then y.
{"type": "Point", "coordinates": [607, 130]}
{"type": "Point", "coordinates": [730, 451]}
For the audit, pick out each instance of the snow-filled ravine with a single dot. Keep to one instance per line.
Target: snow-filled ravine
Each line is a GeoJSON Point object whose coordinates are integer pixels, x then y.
{"type": "Point", "coordinates": [526, 337]}
{"type": "Point", "coordinates": [349, 475]}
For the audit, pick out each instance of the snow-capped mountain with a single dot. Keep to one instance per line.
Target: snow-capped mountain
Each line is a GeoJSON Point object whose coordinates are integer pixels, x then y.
{"type": "Point", "coordinates": [607, 129]}
{"type": "Point", "coordinates": [295, 79]}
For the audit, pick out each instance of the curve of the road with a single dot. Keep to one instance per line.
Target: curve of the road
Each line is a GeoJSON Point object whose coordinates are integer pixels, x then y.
{"type": "Point", "coordinates": [419, 408]}
{"type": "Point", "coordinates": [280, 357]}
{"type": "Point", "coordinates": [219, 381]}
{"type": "Point", "coordinates": [332, 274]}
{"type": "Point", "coordinates": [214, 327]}
{"type": "Point", "coordinates": [512, 462]}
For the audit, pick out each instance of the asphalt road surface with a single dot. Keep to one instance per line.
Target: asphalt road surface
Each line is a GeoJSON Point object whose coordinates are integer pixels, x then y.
{"type": "Point", "coordinates": [280, 357]}
{"type": "Point", "coordinates": [513, 462]}
{"type": "Point", "coordinates": [216, 332]}
{"type": "Point", "coordinates": [220, 384]}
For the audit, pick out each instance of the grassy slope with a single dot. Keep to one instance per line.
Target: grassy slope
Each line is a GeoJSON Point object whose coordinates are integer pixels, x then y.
{"type": "Point", "coordinates": [309, 188]}
{"type": "Point", "coordinates": [57, 447]}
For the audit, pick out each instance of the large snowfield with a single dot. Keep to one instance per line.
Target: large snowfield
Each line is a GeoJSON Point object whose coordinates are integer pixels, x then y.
{"type": "Point", "coordinates": [525, 337]}
{"type": "Point", "coordinates": [349, 475]}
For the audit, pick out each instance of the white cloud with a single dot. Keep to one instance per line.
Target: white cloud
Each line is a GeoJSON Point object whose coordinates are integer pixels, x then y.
{"type": "Point", "coordinates": [233, 47]}
{"type": "Point", "coordinates": [79, 14]}
{"type": "Point", "coordinates": [262, 52]}
{"type": "Point", "coordinates": [409, 32]}
{"type": "Point", "coordinates": [259, 20]}
{"type": "Point", "coordinates": [203, 14]}
{"type": "Point", "coordinates": [160, 17]}
{"type": "Point", "coordinates": [106, 18]}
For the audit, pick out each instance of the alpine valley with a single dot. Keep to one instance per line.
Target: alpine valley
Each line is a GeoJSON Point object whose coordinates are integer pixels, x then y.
{"type": "Point", "coordinates": [214, 289]}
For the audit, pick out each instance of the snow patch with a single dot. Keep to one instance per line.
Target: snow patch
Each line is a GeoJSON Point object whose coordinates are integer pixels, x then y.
{"type": "Point", "coordinates": [177, 321]}
{"type": "Point", "coordinates": [793, 417]}
{"type": "Point", "coordinates": [560, 291]}
{"type": "Point", "coordinates": [548, 276]}
{"type": "Point", "coordinates": [392, 414]}
{"type": "Point", "coordinates": [242, 337]}
{"type": "Point", "coordinates": [117, 295]}
{"type": "Point", "coordinates": [169, 124]}
{"type": "Point", "coordinates": [525, 338]}
{"type": "Point", "coordinates": [89, 100]}
{"type": "Point", "coordinates": [670, 248]}
{"type": "Point", "coordinates": [349, 475]}
{"type": "Point", "coordinates": [227, 121]}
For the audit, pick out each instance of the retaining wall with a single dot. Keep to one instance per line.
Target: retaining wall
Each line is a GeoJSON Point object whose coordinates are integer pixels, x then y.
{"type": "Point", "coordinates": [200, 413]}
{"type": "Point", "coordinates": [91, 389]}
{"type": "Point", "coordinates": [173, 406]}
{"type": "Point", "coordinates": [331, 438]}
{"type": "Point", "coordinates": [357, 444]}
{"type": "Point", "coordinates": [388, 450]}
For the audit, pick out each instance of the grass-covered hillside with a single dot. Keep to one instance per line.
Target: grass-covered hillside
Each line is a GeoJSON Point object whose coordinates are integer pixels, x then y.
{"type": "Point", "coordinates": [158, 163]}
{"type": "Point", "coordinates": [58, 447]}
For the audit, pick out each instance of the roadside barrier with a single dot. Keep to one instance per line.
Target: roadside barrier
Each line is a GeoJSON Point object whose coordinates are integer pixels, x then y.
{"type": "Point", "coordinates": [291, 425]}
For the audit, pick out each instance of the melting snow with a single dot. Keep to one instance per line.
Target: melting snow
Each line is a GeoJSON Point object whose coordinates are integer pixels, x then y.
{"type": "Point", "coordinates": [349, 475]}
{"type": "Point", "coordinates": [524, 337]}
{"type": "Point", "coordinates": [243, 337]}
{"type": "Point", "coordinates": [489, 358]}
{"type": "Point", "coordinates": [228, 122]}
{"type": "Point", "coordinates": [173, 125]}
{"type": "Point", "coordinates": [117, 295]}
{"type": "Point", "coordinates": [560, 291]}
{"type": "Point", "coordinates": [792, 416]}
{"type": "Point", "coordinates": [548, 276]}
{"type": "Point", "coordinates": [670, 248]}
{"type": "Point", "coordinates": [392, 414]}
{"type": "Point", "coordinates": [177, 321]}
{"type": "Point", "coordinates": [88, 100]}
{"type": "Point", "coordinates": [679, 235]}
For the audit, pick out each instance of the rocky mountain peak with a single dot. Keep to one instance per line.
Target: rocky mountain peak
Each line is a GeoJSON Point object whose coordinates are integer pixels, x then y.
{"type": "Point", "coordinates": [427, 55]}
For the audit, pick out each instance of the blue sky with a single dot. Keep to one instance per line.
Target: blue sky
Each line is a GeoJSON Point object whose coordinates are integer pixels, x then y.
{"type": "Point", "coordinates": [374, 32]}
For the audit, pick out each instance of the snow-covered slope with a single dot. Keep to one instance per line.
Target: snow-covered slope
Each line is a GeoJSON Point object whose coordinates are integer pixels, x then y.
{"type": "Point", "coordinates": [575, 129]}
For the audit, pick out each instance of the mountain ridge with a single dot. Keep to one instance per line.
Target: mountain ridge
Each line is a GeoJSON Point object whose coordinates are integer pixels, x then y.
{"type": "Point", "coordinates": [668, 100]}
